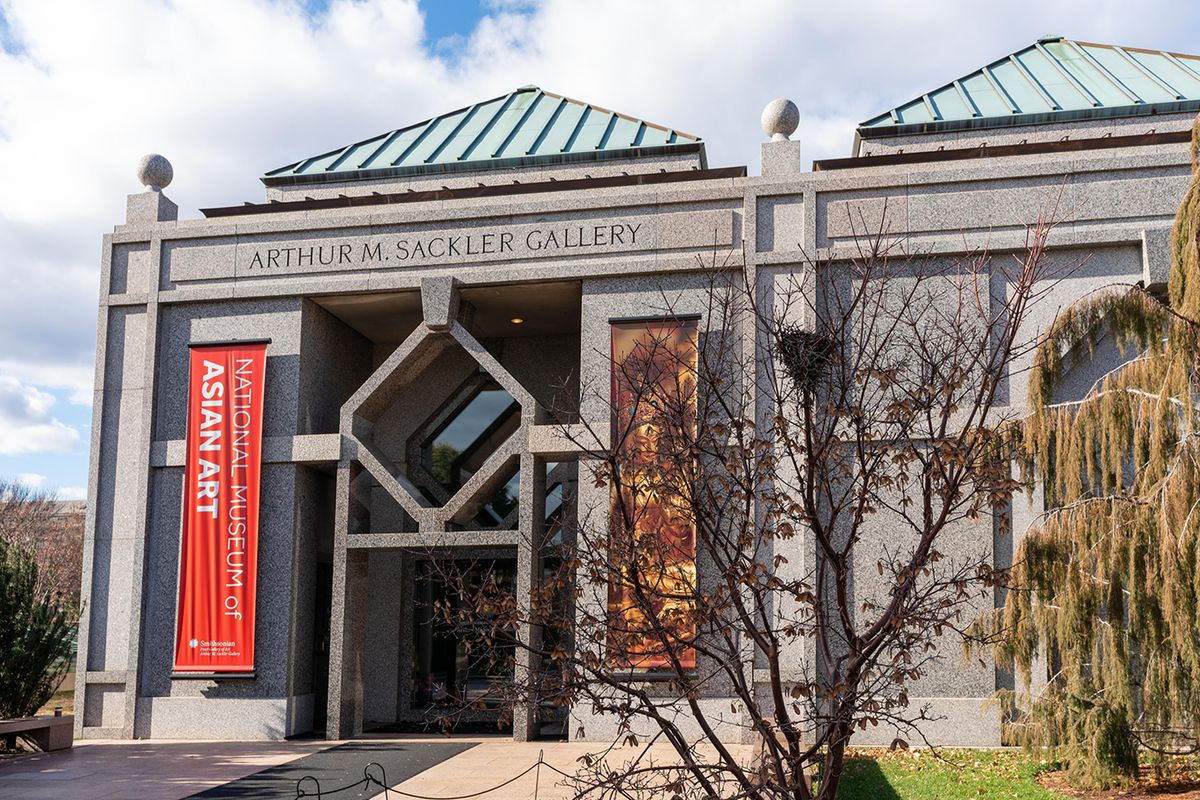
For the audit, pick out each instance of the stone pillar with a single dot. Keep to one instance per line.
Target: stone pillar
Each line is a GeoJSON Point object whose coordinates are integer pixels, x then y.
{"type": "Point", "coordinates": [385, 613]}
{"type": "Point", "coordinates": [155, 173]}
{"type": "Point", "coordinates": [111, 627]}
{"type": "Point", "coordinates": [347, 633]}
{"type": "Point", "coordinates": [781, 159]}
{"type": "Point", "coordinates": [346, 650]}
{"type": "Point", "coordinates": [780, 156]}
{"type": "Point", "coordinates": [150, 206]}
{"type": "Point", "coordinates": [529, 575]}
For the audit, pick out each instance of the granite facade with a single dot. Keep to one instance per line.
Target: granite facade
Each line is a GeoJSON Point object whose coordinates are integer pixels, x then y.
{"type": "Point", "coordinates": [341, 522]}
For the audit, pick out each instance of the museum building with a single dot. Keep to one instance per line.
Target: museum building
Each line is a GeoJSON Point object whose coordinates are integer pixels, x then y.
{"type": "Point", "coordinates": [299, 400]}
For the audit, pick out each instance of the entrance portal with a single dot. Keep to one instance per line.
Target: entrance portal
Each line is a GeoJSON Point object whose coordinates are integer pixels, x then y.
{"type": "Point", "coordinates": [459, 678]}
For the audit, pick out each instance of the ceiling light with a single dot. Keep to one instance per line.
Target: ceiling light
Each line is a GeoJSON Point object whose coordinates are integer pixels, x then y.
{"type": "Point", "coordinates": [516, 320]}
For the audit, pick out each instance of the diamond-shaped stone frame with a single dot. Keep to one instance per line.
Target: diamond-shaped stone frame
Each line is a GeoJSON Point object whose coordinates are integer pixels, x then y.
{"type": "Point", "coordinates": [439, 301]}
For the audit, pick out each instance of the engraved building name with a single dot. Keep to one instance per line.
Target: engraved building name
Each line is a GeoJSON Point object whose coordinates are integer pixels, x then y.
{"type": "Point", "coordinates": [449, 247]}
{"type": "Point", "coordinates": [396, 247]}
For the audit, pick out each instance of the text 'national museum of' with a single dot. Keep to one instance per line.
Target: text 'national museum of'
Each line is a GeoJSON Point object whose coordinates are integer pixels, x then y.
{"type": "Point", "coordinates": [301, 403]}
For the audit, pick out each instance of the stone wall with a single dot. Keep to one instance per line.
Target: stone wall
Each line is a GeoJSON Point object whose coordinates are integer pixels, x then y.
{"type": "Point", "coordinates": [167, 283]}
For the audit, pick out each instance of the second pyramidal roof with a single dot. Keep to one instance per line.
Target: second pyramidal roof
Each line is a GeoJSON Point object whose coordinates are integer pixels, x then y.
{"type": "Point", "coordinates": [1053, 79]}
{"type": "Point", "coordinates": [524, 127]}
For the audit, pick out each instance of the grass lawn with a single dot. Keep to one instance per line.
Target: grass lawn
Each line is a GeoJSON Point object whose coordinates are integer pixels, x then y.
{"type": "Point", "coordinates": [917, 775]}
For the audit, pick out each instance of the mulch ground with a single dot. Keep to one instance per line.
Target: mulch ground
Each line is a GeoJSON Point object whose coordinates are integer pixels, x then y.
{"type": "Point", "coordinates": [1175, 787]}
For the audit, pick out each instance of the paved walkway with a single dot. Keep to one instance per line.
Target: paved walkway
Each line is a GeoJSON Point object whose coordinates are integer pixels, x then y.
{"type": "Point", "coordinates": [159, 770]}
{"type": "Point", "coordinates": [341, 771]}
{"type": "Point", "coordinates": [494, 762]}
{"type": "Point", "coordinates": [491, 763]}
{"type": "Point", "coordinates": [171, 770]}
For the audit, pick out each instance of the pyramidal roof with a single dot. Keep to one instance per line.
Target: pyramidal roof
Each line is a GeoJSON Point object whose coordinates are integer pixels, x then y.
{"type": "Point", "coordinates": [525, 127]}
{"type": "Point", "coordinates": [1052, 79]}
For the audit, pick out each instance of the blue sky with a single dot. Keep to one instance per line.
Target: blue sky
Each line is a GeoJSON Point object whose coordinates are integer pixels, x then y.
{"type": "Point", "coordinates": [445, 19]}
{"type": "Point", "coordinates": [5, 42]}
{"type": "Point", "coordinates": [63, 467]}
{"type": "Point", "coordinates": [228, 89]}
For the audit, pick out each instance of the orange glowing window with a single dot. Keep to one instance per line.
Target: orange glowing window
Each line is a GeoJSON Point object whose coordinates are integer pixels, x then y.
{"type": "Point", "coordinates": [652, 536]}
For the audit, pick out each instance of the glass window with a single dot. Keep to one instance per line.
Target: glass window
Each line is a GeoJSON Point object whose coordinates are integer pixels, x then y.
{"type": "Point", "coordinates": [653, 415]}
{"type": "Point", "coordinates": [464, 441]}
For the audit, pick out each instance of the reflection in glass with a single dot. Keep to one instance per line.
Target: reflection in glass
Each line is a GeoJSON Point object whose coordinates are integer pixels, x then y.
{"type": "Point", "coordinates": [450, 665]}
{"type": "Point", "coordinates": [467, 439]}
{"type": "Point", "coordinates": [464, 441]}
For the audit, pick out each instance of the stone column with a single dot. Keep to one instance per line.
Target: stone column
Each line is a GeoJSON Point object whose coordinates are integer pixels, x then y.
{"type": "Point", "coordinates": [780, 156]}
{"type": "Point", "coordinates": [385, 613]}
{"type": "Point", "coordinates": [529, 575]}
{"type": "Point", "coordinates": [114, 548]}
{"type": "Point", "coordinates": [348, 618]}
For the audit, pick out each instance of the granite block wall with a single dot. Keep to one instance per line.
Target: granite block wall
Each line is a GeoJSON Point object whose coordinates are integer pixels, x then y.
{"type": "Point", "coordinates": [170, 282]}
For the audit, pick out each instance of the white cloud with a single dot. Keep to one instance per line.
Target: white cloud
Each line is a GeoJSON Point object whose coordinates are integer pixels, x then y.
{"type": "Point", "coordinates": [76, 379]}
{"type": "Point", "coordinates": [228, 89]}
{"type": "Point", "coordinates": [40, 482]}
{"type": "Point", "coordinates": [27, 424]}
{"type": "Point", "coordinates": [31, 479]}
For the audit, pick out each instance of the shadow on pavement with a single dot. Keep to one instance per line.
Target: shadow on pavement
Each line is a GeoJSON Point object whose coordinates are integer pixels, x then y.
{"type": "Point", "coordinates": [338, 767]}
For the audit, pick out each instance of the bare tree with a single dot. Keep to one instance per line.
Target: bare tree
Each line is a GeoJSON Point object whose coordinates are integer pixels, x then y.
{"type": "Point", "coordinates": [51, 530]}
{"type": "Point", "coordinates": [734, 489]}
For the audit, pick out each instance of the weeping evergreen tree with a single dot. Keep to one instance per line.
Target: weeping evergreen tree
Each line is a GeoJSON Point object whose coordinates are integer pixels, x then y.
{"type": "Point", "coordinates": [1105, 590]}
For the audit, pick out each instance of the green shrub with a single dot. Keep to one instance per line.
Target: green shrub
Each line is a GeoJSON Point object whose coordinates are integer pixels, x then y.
{"type": "Point", "coordinates": [36, 632]}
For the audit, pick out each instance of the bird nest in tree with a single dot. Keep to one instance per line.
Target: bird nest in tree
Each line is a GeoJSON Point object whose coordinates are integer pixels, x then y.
{"type": "Point", "coordinates": [805, 355]}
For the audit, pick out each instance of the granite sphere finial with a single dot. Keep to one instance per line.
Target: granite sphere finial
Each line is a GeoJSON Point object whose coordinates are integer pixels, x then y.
{"type": "Point", "coordinates": [780, 119]}
{"type": "Point", "coordinates": [155, 172]}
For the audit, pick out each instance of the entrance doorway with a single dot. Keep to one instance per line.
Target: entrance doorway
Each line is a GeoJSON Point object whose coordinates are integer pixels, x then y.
{"type": "Point", "coordinates": [459, 680]}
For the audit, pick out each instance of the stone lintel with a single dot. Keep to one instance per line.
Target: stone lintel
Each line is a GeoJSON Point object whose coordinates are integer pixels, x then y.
{"type": "Point", "coordinates": [304, 449]}
{"type": "Point", "coordinates": [563, 443]}
{"type": "Point", "coordinates": [433, 540]}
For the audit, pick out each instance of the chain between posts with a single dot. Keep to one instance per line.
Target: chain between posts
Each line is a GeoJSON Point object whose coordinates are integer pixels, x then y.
{"type": "Point", "coordinates": [368, 780]}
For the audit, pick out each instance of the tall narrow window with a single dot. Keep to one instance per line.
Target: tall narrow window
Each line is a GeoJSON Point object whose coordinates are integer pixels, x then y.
{"type": "Point", "coordinates": [652, 536]}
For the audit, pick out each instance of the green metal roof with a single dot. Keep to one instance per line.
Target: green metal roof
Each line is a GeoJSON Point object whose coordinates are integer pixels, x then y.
{"type": "Point", "coordinates": [1053, 79]}
{"type": "Point", "coordinates": [527, 126]}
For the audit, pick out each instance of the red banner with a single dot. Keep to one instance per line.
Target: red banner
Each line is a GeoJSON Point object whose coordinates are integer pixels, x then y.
{"type": "Point", "coordinates": [218, 559]}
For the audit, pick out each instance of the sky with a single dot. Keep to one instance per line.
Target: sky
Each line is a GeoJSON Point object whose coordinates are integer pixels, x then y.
{"type": "Point", "coordinates": [229, 89]}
